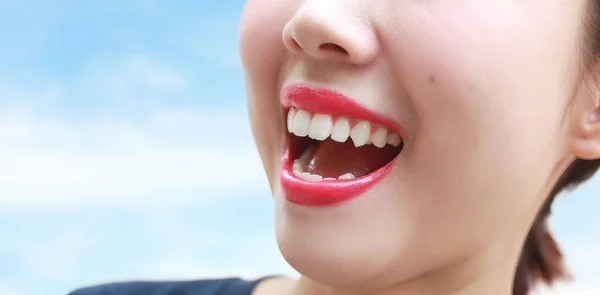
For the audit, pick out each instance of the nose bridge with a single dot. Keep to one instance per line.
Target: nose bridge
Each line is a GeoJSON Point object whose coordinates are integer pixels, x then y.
{"type": "Point", "coordinates": [332, 29]}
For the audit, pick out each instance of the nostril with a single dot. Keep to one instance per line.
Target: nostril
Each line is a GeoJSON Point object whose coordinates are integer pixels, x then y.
{"type": "Point", "coordinates": [334, 48]}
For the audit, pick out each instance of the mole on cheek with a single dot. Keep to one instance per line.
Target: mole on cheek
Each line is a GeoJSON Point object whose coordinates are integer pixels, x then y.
{"type": "Point", "coordinates": [431, 79]}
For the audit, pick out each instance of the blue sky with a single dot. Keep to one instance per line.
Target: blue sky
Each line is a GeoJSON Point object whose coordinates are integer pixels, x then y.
{"type": "Point", "coordinates": [119, 121]}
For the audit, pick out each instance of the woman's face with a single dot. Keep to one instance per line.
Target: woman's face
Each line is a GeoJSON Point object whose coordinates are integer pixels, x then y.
{"type": "Point", "coordinates": [477, 90]}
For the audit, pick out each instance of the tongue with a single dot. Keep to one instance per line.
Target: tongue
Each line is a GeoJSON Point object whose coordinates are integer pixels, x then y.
{"type": "Point", "coordinates": [333, 159]}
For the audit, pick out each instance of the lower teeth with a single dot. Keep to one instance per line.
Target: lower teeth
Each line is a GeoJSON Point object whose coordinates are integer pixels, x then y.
{"type": "Point", "coordinates": [347, 176]}
{"type": "Point", "coordinates": [298, 171]}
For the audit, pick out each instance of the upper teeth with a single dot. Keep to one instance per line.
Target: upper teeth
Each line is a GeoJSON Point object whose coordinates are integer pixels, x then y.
{"type": "Point", "coordinates": [321, 126]}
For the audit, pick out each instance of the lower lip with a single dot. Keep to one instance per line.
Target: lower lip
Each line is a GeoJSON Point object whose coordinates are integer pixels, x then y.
{"type": "Point", "coordinates": [326, 192]}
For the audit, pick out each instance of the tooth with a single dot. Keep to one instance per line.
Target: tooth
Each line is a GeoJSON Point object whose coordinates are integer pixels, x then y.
{"type": "Point", "coordinates": [394, 139]}
{"type": "Point", "coordinates": [320, 127]}
{"type": "Point", "coordinates": [297, 166]}
{"type": "Point", "coordinates": [301, 123]}
{"type": "Point", "coordinates": [360, 133]}
{"type": "Point", "coordinates": [290, 120]}
{"type": "Point", "coordinates": [341, 130]}
{"type": "Point", "coordinates": [311, 177]}
{"type": "Point", "coordinates": [297, 173]}
{"type": "Point", "coordinates": [379, 138]}
{"type": "Point", "coordinates": [329, 178]}
{"type": "Point", "coordinates": [347, 176]}
{"type": "Point", "coordinates": [315, 177]}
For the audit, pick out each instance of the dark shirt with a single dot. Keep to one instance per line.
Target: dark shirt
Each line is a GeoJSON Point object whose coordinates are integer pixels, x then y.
{"type": "Point", "coordinates": [229, 286]}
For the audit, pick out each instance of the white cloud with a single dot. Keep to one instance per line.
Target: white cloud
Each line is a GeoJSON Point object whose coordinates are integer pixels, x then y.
{"type": "Point", "coordinates": [124, 77]}
{"type": "Point", "coordinates": [53, 163]}
{"type": "Point", "coordinates": [9, 288]}
{"type": "Point", "coordinates": [65, 159]}
{"type": "Point", "coordinates": [57, 257]}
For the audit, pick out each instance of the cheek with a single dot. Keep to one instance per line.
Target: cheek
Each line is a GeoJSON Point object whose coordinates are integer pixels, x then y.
{"type": "Point", "coordinates": [262, 54]}
{"type": "Point", "coordinates": [489, 103]}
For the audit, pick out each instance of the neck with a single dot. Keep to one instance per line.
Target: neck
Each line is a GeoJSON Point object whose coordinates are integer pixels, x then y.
{"type": "Point", "coordinates": [486, 273]}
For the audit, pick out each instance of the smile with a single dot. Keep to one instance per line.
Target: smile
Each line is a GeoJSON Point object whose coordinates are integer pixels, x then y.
{"type": "Point", "coordinates": [336, 149]}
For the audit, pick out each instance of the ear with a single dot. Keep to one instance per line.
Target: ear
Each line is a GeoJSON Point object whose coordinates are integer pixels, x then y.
{"type": "Point", "coordinates": [585, 143]}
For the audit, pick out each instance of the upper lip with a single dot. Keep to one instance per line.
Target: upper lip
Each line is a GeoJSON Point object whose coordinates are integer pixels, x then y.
{"type": "Point", "coordinates": [328, 101]}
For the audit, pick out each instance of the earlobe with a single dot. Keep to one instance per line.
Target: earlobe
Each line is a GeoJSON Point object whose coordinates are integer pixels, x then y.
{"type": "Point", "coordinates": [586, 139]}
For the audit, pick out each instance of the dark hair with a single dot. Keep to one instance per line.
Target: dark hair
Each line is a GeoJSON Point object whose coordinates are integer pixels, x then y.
{"type": "Point", "coordinates": [541, 258]}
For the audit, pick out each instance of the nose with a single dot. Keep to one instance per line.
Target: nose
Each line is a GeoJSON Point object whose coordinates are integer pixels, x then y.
{"type": "Point", "coordinates": [326, 30]}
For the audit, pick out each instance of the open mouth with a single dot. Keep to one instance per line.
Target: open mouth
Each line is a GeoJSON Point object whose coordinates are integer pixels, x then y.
{"type": "Point", "coordinates": [328, 148]}
{"type": "Point", "coordinates": [330, 158]}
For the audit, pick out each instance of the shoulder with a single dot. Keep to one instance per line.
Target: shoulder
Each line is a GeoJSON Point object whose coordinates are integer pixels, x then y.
{"type": "Point", "coordinates": [227, 286]}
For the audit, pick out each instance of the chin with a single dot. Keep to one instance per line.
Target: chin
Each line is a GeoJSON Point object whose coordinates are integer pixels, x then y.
{"type": "Point", "coordinates": [347, 246]}
{"type": "Point", "coordinates": [327, 259]}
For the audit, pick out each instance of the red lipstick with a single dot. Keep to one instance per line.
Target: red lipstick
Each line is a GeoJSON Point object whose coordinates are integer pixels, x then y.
{"type": "Point", "coordinates": [327, 192]}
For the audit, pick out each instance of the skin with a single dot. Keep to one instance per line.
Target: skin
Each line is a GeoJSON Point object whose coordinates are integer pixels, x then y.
{"type": "Point", "coordinates": [495, 105]}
